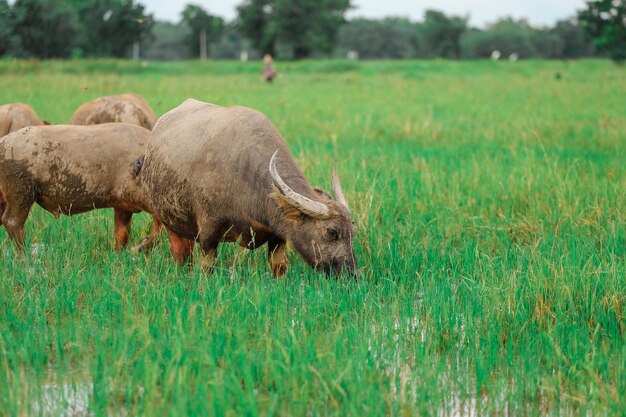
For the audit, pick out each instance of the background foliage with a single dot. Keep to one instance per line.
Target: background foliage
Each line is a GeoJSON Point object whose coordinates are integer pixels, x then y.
{"type": "Point", "coordinates": [295, 30]}
{"type": "Point", "coordinates": [201, 24]}
{"type": "Point", "coordinates": [605, 22]}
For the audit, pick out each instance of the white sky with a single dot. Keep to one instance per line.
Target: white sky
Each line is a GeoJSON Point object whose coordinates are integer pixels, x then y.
{"type": "Point", "coordinates": [538, 12]}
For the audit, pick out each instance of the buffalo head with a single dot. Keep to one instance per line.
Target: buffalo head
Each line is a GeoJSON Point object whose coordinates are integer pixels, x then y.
{"type": "Point", "coordinates": [322, 231]}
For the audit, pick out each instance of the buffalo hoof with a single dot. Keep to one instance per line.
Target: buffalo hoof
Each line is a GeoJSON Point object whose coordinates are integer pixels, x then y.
{"type": "Point", "coordinates": [279, 270]}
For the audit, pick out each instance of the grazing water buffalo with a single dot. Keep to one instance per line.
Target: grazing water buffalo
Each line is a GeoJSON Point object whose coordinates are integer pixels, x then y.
{"type": "Point", "coordinates": [126, 108]}
{"type": "Point", "coordinates": [219, 174]}
{"type": "Point", "coordinates": [70, 170]}
{"type": "Point", "coordinates": [16, 116]}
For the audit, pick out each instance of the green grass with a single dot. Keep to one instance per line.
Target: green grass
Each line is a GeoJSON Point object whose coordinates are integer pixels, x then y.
{"type": "Point", "coordinates": [490, 200]}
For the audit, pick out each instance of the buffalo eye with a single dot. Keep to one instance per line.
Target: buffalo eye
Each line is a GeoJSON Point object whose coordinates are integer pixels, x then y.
{"type": "Point", "coordinates": [333, 233]}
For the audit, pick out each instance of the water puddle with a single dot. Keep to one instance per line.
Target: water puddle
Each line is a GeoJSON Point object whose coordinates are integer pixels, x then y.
{"type": "Point", "coordinates": [38, 248]}
{"type": "Point", "coordinates": [66, 400]}
{"type": "Point", "coordinates": [72, 397]}
{"type": "Point", "coordinates": [71, 400]}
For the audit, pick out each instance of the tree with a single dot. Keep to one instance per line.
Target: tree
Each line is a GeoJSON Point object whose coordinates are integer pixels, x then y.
{"type": "Point", "coordinates": [506, 35]}
{"type": "Point", "coordinates": [604, 22]}
{"type": "Point", "coordinates": [391, 38]}
{"type": "Point", "coordinates": [442, 34]}
{"type": "Point", "coordinates": [255, 22]}
{"type": "Point", "coordinates": [564, 40]}
{"type": "Point", "coordinates": [204, 28]}
{"type": "Point", "coordinates": [574, 44]}
{"type": "Point", "coordinates": [476, 43]}
{"type": "Point", "coordinates": [301, 26]}
{"type": "Point", "coordinates": [5, 27]}
{"type": "Point", "coordinates": [546, 44]}
{"type": "Point", "coordinates": [110, 27]}
{"type": "Point", "coordinates": [310, 25]}
{"type": "Point", "coordinates": [230, 45]}
{"type": "Point", "coordinates": [42, 28]}
{"type": "Point", "coordinates": [169, 41]}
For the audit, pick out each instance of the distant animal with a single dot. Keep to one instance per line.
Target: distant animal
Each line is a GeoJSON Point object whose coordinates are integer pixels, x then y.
{"type": "Point", "coordinates": [219, 174]}
{"type": "Point", "coordinates": [269, 72]}
{"type": "Point", "coordinates": [72, 169]}
{"type": "Point", "coordinates": [16, 116]}
{"type": "Point", "coordinates": [126, 108]}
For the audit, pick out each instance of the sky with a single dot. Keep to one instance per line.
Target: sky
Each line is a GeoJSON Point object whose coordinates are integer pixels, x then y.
{"type": "Point", "coordinates": [481, 12]}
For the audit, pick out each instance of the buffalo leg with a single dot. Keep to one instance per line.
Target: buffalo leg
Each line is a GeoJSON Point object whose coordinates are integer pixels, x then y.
{"type": "Point", "coordinates": [121, 228]}
{"type": "Point", "coordinates": [13, 220]}
{"type": "Point", "coordinates": [179, 247]}
{"type": "Point", "coordinates": [208, 249]}
{"type": "Point", "coordinates": [277, 256]}
{"type": "Point", "coordinates": [3, 205]}
{"type": "Point", "coordinates": [149, 241]}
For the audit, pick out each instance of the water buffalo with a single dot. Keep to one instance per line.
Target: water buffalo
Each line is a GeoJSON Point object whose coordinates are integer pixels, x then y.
{"type": "Point", "coordinates": [70, 170]}
{"type": "Point", "coordinates": [16, 116]}
{"type": "Point", "coordinates": [219, 174]}
{"type": "Point", "coordinates": [127, 108]}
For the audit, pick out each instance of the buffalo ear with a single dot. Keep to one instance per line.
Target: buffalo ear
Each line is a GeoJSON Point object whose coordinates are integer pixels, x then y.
{"type": "Point", "coordinates": [137, 165]}
{"type": "Point", "coordinates": [322, 193]}
{"type": "Point", "coordinates": [290, 211]}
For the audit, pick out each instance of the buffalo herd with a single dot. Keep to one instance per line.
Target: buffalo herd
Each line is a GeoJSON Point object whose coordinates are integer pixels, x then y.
{"type": "Point", "coordinates": [206, 173]}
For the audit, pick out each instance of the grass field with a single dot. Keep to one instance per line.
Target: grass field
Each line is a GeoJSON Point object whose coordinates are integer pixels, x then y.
{"type": "Point", "coordinates": [490, 201]}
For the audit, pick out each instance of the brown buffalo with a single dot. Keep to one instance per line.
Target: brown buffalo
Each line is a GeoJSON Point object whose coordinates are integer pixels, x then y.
{"type": "Point", "coordinates": [126, 108]}
{"type": "Point", "coordinates": [70, 170]}
{"type": "Point", "coordinates": [219, 174]}
{"type": "Point", "coordinates": [16, 116]}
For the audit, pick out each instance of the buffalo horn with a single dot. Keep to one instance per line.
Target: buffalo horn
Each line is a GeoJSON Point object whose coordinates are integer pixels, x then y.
{"type": "Point", "coordinates": [341, 199]}
{"type": "Point", "coordinates": [303, 204]}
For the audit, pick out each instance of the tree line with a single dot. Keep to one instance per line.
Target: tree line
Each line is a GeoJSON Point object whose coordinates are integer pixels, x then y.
{"type": "Point", "coordinates": [295, 29]}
